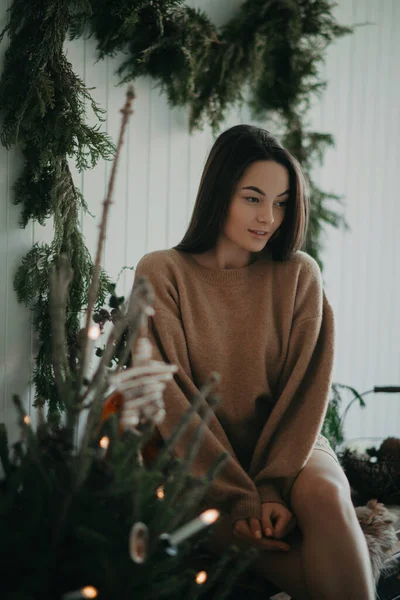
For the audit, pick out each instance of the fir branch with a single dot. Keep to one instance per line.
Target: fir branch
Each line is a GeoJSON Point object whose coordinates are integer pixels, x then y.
{"type": "Point", "coordinates": [167, 450]}
{"type": "Point", "coordinates": [130, 318]}
{"type": "Point", "coordinates": [193, 497]}
{"type": "Point", "coordinates": [186, 463]}
{"type": "Point", "coordinates": [181, 471]}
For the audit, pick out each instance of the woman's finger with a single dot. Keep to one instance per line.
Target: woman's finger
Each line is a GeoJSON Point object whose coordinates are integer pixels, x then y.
{"type": "Point", "coordinates": [285, 523]}
{"type": "Point", "coordinates": [267, 523]}
{"type": "Point", "coordinates": [255, 528]}
{"type": "Point", "coordinates": [281, 524]}
{"type": "Point", "coordinates": [241, 529]}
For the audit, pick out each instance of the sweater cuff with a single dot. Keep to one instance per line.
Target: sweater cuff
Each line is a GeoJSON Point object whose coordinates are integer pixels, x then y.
{"type": "Point", "coordinates": [246, 508]}
{"type": "Point", "coordinates": [269, 493]}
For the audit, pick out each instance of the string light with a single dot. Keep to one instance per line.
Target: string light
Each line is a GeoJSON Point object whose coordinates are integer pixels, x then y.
{"type": "Point", "coordinates": [104, 444]}
{"type": "Point", "coordinates": [86, 592]}
{"type": "Point", "coordinates": [94, 332]}
{"type": "Point", "coordinates": [89, 592]}
{"type": "Point", "coordinates": [209, 516]}
{"type": "Point", "coordinates": [201, 577]}
{"type": "Point", "coordinates": [27, 420]}
{"type": "Point", "coordinates": [206, 518]}
{"type": "Point", "coordinates": [160, 493]}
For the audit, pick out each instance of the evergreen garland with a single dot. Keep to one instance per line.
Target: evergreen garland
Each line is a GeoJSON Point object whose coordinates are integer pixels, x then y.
{"type": "Point", "coordinates": [43, 102]}
{"type": "Point", "coordinates": [268, 55]}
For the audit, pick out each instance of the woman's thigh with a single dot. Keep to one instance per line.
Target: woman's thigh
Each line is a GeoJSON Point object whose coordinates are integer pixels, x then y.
{"type": "Point", "coordinates": [319, 494]}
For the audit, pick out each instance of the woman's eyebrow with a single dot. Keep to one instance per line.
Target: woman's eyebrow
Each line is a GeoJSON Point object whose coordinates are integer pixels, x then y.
{"type": "Point", "coordinates": [256, 189]}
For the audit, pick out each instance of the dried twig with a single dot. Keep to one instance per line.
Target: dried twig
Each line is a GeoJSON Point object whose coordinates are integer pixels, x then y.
{"type": "Point", "coordinates": [60, 279]}
{"type": "Point", "coordinates": [126, 112]}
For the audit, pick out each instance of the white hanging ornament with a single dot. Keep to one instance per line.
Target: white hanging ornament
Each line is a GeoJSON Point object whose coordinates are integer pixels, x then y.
{"type": "Point", "coordinates": [144, 351]}
{"type": "Point", "coordinates": [138, 543]}
{"type": "Point", "coordinates": [142, 387]}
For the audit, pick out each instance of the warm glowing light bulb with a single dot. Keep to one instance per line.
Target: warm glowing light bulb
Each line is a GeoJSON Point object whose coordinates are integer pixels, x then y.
{"type": "Point", "coordinates": [89, 592]}
{"type": "Point", "coordinates": [209, 516]}
{"type": "Point", "coordinates": [206, 518]}
{"type": "Point", "coordinates": [104, 442]}
{"type": "Point", "coordinates": [26, 420]}
{"type": "Point", "coordinates": [160, 492]}
{"type": "Point", "coordinates": [201, 577]}
{"type": "Point", "coordinates": [94, 332]}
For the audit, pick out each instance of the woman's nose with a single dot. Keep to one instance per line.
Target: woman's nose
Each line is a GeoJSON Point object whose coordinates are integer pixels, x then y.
{"type": "Point", "coordinates": [266, 215]}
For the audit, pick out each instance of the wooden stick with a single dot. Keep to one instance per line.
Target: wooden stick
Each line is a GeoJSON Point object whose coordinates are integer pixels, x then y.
{"type": "Point", "coordinates": [126, 112]}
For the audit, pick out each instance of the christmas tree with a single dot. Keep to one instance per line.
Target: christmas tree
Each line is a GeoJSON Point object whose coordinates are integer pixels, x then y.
{"type": "Point", "coordinates": [85, 512]}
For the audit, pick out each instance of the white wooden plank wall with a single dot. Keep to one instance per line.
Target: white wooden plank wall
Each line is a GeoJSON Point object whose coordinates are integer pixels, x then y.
{"type": "Point", "coordinates": [159, 175]}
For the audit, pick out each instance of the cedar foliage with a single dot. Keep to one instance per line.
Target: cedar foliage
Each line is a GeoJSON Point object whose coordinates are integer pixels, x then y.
{"type": "Point", "coordinates": [44, 106]}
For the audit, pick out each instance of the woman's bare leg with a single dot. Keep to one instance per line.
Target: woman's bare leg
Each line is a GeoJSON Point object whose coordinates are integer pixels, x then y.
{"type": "Point", "coordinates": [285, 569]}
{"type": "Point", "coordinates": [334, 551]}
{"type": "Point", "coordinates": [329, 558]}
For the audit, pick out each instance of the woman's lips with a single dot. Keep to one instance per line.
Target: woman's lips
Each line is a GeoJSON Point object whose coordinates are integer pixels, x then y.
{"type": "Point", "coordinates": [260, 235]}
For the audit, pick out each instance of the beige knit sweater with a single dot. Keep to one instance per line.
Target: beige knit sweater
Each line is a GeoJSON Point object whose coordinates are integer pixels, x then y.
{"type": "Point", "coordinates": [268, 329]}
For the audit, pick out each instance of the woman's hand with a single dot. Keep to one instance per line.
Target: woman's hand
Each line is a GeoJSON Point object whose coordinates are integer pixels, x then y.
{"type": "Point", "coordinates": [276, 520]}
{"type": "Point", "coordinates": [250, 531]}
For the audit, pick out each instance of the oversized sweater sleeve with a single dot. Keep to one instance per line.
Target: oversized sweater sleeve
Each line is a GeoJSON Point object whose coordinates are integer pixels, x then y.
{"type": "Point", "coordinates": [292, 428]}
{"type": "Point", "coordinates": [233, 490]}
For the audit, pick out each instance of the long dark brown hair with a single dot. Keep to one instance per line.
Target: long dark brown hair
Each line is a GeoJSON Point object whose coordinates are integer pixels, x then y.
{"type": "Point", "coordinates": [232, 153]}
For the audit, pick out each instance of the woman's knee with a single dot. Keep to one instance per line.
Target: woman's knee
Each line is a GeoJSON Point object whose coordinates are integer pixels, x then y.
{"type": "Point", "coordinates": [321, 489]}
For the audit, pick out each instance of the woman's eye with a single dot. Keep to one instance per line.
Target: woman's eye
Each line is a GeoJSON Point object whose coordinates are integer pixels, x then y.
{"type": "Point", "coordinates": [253, 200]}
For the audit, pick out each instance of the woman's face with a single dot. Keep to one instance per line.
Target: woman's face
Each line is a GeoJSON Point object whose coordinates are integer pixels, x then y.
{"type": "Point", "coordinates": [258, 205]}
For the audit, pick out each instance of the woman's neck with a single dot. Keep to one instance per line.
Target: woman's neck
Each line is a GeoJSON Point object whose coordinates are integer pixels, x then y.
{"type": "Point", "coordinates": [223, 259]}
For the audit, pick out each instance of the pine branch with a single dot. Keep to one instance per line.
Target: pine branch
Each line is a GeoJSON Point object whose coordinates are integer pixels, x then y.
{"type": "Point", "coordinates": [167, 450]}
{"type": "Point", "coordinates": [186, 463]}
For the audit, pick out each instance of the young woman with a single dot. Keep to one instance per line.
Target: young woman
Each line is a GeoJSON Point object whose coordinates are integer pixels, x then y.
{"type": "Point", "coordinates": [238, 296]}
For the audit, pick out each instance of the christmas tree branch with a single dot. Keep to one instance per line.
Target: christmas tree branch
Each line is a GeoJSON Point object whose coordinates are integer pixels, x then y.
{"type": "Point", "coordinates": [197, 401]}
{"type": "Point", "coordinates": [194, 497]}
{"type": "Point", "coordinates": [185, 464]}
